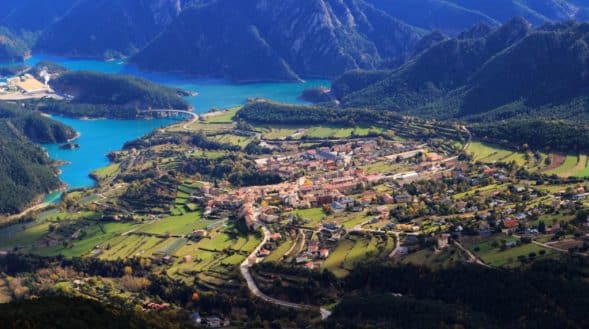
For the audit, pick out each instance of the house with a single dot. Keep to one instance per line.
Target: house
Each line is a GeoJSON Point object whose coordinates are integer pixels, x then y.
{"type": "Point", "coordinates": [337, 207]}
{"type": "Point", "coordinates": [324, 253]}
{"type": "Point", "coordinates": [213, 322]}
{"type": "Point", "coordinates": [402, 250]}
{"type": "Point", "coordinates": [387, 198]}
{"type": "Point", "coordinates": [443, 241]}
{"type": "Point", "coordinates": [275, 237]}
{"type": "Point", "coordinates": [510, 224]}
{"type": "Point", "coordinates": [301, 259]}
{"type": "Point", "coordinates": [330, 227]}
{"type": "Point", "coordinates": [199, 234]}
{"type": "Point", "coordinates": [518, 189]}
{"type": "Point", "coordinates": [263, 252]}
{"type": "Point", "coordinates": [310, 265]}
{"type": "Point", "coordinates": [155, 306]}
{"type": "Point", "coordinates": [195, 319]}
{"type": "Point", "coordinates": [403, 198]}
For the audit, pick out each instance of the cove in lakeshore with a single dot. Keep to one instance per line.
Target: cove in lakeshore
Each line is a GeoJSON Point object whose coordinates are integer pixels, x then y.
{"type": "Point", "coordinates": [99, 137]}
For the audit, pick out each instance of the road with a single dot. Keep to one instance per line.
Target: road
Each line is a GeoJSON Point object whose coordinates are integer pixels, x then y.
{"type": "Point", "coordinates": [185, 126]}
{"type": "Point", "coordinates": [253, 288]}
{"type": "Point", "coordinates": [397, 244]}
{"type": "Point", "coordinates": [473, 257]}
{"type": "Point", "coordinates": [25, 212]}
{"type": "Point", "coordinates": [469, 141]}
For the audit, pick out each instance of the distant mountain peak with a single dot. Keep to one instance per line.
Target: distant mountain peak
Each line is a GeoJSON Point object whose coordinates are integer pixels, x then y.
{"type": "Point", "coordinates": [480, 30]}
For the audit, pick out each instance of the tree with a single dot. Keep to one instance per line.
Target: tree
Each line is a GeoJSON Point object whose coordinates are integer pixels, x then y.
{"type": "Point", "coordinates": [542, 227]}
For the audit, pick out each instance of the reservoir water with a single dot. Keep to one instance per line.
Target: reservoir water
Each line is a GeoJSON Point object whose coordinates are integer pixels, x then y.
{"type": "Point", "coordinates": [99, 137]}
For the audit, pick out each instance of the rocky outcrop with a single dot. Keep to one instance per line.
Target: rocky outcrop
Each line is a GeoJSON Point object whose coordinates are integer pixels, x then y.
{"type": "Point", "coordinates": [277, 40]}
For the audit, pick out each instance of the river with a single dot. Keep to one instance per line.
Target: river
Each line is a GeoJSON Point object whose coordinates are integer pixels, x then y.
{"type": "Point", "coordinates": [99, 137]}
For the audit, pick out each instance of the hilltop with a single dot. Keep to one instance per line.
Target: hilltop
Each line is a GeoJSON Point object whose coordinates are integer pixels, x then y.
{"type": "Point", "coordinates": [106, 95]}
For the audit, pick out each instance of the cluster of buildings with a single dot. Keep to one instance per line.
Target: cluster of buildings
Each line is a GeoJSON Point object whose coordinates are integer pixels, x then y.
{"type": "Point", "coordinates": [351, 154]}
{"type": "Point", "coordinates": [25, 84]}
{"type": "Point", "coordinates": [316, 177]}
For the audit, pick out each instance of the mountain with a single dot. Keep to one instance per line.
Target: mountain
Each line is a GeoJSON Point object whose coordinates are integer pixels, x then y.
{"type": "Point", "coordinates": [277, 40]}
{"type": "Point", "coordinates": [13, 47]}
{"type": "Point", "coordinates": [511, 84]}
{"type": "Point", "coordinates": [25, 169]}
{"type": "Point", "coordinates": [33, 15]}
{"type": "Point", "coordinates": [454, 16]}
{"type": "Point", "coordinates": [433, 74]}
{"type": "Point", "coordinates": [442, 15]}
{"type": "Point", "coordinates": [108, 28]}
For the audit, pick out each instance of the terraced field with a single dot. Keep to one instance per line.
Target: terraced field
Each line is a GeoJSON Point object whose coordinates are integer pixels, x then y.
{"type": "Point", "coordinates": [570, 165]}
{"type": "Point", "coordinates": [240, 141]}
{"type": "Point", "coordinates": [279, 252]}
{"type": "Point", "coordinates": [355, 249]}
{"type": "Point", "coordinates": [176, 225]}
{"type": "Point", "coordinates": [566, 168]}
{"type": "Point", "coordinates": [297, 132]}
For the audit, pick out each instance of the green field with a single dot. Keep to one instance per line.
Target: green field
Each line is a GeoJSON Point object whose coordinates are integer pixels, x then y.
{"type": "Point", "coordinates": [567, 168]}
{"type": "Point", "coordinates": [490, 153]}
{"type": "Point", "coordinates": [315, 216]}
{"type": "Point", "coordinates": [494, 256]}
{"type": "Point", "coordinates": [279, 252]}
{"type": "Point", "coordinates": [240, 141]}
{"type": "Point", "coordinates": [433, 259]}
{"type": "Point", "coordinates": [223, 117]}
{"type": "Point", "coordinates": [108, 171]}
{"type": "Point", "coordinates": [334, 262]}
{"type": "Point", "coordinates": [582, 168]}
{"type": "Point", "coordinates": [355, 249]}
{"type": "Point", "coordinates": [337, 132]}
{"type": "Point", "coordinates": [22, 234]}
{"type": "Point", "coordinates": [282, 131]}
{"type": "Point", "coordinates": [182, 224]}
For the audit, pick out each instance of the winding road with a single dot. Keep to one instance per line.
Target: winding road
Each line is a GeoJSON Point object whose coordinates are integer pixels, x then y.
{"type": "Point", "coordinates": [252, 286]}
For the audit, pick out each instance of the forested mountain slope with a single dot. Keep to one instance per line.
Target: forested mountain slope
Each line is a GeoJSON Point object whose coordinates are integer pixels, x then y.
{"type": "Point", "coordinates": [108, 28]}
{"type": "Point", "coordinates": [454, 16]}
{"type": "Point", "coordinates": [278, 40]}
{"type": "Point", "coordinates": [25, 169]}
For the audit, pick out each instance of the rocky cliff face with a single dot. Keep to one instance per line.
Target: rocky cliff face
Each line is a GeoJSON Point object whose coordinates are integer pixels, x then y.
{"type": "Point", "coordinates": [277, 40]}
{"type": "Point", "coordinates": [108, 28]}
{"type": "Point", "coordinates": [12, 46]}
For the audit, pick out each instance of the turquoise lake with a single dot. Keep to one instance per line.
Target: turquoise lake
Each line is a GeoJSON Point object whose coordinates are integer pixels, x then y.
{"type": "Point", "coordinates": [99, 137]}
